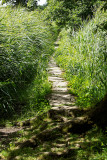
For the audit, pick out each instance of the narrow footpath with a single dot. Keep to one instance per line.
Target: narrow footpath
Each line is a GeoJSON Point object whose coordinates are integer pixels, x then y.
{"type": "Point", "coordinates": [59, 133]}
{"type": "Point", "coordinates": [60, 98]}
{"type": "Point", "coordinates": [62, 130]}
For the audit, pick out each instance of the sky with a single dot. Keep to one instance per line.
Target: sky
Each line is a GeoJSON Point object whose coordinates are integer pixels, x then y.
{"type": "Point", "coordinates": [1, 3]}
{"type": "Point", "coordinates": [42, 2]}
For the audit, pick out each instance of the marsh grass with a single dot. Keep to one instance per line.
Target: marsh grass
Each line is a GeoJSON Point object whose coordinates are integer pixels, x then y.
{"type": "Point", "coordinates": [82, 55]}
{"type": "Point", "coordinates": [26, 42]}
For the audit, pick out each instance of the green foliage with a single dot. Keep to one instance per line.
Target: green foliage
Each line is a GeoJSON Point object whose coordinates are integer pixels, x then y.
{"type": "Point", "coordinates": [17, 2]}
{"type": "Point", "coordinates": [71, 13]}
{"type": "Point", "coordinates": [32, 4]}
{"type": "Point", "coordinates": [82, 54]}
{"type": "Point", "coordinates": [25, 45]}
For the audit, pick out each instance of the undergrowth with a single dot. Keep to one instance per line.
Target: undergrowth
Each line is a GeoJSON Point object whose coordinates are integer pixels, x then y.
{"type": "Point", "coordinates": [82, 55]}
{"type": "Point", "coordinates": [94, 146]}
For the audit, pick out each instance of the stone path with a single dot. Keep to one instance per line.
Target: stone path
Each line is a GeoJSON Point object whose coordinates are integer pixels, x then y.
{"type": "Point", "coordinates": [52, 135]}
{"type": "Point", "coordinates": [63, 103]}
{"type": "Point", "coordinates": [56, 138]}
{"type": "Point", "coordinates": [60, 98]}
{"type": "Point", "coordinates": [59, 131]}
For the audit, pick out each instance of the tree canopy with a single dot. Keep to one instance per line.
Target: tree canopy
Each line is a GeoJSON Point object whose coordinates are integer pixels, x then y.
{"type": "Point", "coordinates": [29, 3]}
{"type": "Point", "coordinates": [71, 12]}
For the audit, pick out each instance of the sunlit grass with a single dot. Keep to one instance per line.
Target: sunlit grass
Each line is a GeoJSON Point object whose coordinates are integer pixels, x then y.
{"type": "Point", "coordinates": [26, 42]}
{"type": "Point", "coordinates": [82, 55]}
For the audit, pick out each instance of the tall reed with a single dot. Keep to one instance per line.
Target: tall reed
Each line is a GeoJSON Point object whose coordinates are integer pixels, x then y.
{"type": "Point", "coordinates": [83, 56]}
{"type": "Point", "coordinates": [25, 45]}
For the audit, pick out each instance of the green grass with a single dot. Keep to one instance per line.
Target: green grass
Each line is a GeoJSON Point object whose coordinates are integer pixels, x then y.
{"type": "Point", "coordinates": [26, 43]}
{"type": "Point", "coordinates": [82, 55]}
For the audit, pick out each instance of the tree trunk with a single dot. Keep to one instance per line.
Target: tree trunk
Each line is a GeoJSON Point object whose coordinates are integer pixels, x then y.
{"type": "Point", "coordinates": [21, 2]}
{"type": "Point", "coordinates": [99, 114]}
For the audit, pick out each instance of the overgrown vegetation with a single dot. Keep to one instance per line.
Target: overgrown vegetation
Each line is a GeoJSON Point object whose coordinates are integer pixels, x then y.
{"type": "Point", "coordinates": [82, 55]}
{"type": "Point", "coordinates": [25, 45]}
{"type": "Point", "coordinates": [27, 35]}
